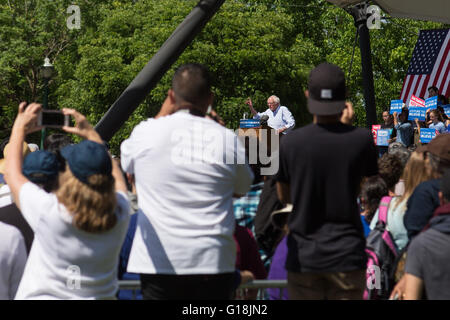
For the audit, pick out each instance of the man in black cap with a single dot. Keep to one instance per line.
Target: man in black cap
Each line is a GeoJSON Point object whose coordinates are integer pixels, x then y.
{"type": "Point", "coordinates": [321, 167]}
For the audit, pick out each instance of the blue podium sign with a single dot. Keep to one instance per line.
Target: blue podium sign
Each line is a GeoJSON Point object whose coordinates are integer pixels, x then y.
{"type": "Point", "coordinates": [249, 123]}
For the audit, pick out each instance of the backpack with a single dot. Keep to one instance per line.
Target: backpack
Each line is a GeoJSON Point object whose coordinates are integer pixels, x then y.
{"type": "Point", "coordinates": [267, 235]}
{"type": "Point", "coordinates": [382, 256]}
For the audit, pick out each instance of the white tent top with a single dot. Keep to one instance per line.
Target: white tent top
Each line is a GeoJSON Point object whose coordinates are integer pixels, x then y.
{"type": "Point", "coordinates": [431, 10]}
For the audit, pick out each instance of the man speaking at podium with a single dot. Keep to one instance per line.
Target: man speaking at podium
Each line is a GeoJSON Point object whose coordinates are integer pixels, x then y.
{"type": "Point", "coordinates": [280, 118]}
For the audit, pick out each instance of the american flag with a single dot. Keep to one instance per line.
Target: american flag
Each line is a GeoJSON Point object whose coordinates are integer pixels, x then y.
{"type": "Point", "coordinates": [429, 65]}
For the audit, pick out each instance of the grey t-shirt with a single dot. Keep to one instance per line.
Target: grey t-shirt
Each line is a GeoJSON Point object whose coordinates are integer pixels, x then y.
{"type": "Point", "coordinates": [428, 258]}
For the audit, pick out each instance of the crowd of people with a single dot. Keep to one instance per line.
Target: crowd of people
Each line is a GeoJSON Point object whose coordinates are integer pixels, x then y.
{"type": "Point", "coordinates": [182, 210]}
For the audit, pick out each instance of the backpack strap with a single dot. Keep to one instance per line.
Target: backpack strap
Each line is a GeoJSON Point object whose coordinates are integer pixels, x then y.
{"type": "Point", "coordinates": [383, 209]}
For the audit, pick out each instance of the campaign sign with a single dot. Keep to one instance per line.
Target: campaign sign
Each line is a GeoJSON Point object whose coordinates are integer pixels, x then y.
{"type": "Point", "coordinates": [383, 136]}
{"type": "Point", "coordinates": [416, 102]}
{"type": "Point", "coordinates": [427, 134]}
{"type": "Point", "coordinates": [446, 109]}
{"type": "Point", "coordinates": [431, 103]}
{"type": "Point", "coordinates": [417, 113]}
{"type": "Point", "coordinates": [249, 123]}
{"type": "Point", "coordinates": [375, 128]}
{"type": "Point", "coordinates": [396, 106]}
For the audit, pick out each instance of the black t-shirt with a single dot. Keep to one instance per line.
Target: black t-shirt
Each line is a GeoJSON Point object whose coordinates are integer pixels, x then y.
{"type": "Point", "coordinates": [324, 165]}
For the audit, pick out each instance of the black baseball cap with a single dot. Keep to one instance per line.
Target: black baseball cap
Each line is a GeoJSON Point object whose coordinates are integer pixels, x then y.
{"type": "Point", "coordinates": [327, 92]}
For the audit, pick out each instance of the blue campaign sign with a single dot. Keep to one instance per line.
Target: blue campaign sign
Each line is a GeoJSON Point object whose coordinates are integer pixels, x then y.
{"type": "Point", "coordinates": [383, 136]}
{"type": "Point", "coordinates": [431, 103]}
{"type": "Point", "coordinates": [427, 134]}
{"type": "Point", "coordinates": [396, 106]}
{"type": "Point", "coordinates": [249, 123]}
{"type": "Point", "coordinates": [446, 109]}
{"type": "Point", "coordinates": [417, 113]}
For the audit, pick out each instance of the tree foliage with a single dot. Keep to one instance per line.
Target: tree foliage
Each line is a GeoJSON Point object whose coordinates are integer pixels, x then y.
{"type": "Point", "coordinates": [254, 48]}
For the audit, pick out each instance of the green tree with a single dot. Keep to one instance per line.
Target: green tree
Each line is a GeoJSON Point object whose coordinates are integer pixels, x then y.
{"type": "Point", "coordinates": [250, 50]}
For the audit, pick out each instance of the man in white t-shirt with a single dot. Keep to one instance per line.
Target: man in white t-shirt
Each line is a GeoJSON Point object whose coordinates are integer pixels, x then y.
{"type": "Point", "coordinates": [186, 169]}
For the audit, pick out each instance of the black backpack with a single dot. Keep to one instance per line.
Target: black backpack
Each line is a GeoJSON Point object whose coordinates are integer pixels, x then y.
{"type": "Point", "coordinates": [382, 257]}
{"type": "Point", "coordinates": [266, 234]}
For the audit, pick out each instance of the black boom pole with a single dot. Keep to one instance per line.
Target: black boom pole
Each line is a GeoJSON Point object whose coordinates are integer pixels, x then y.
{"type": "Point", "coordinates": [359, 13]}
{"type": "Point", "coordinates": [155, 69]}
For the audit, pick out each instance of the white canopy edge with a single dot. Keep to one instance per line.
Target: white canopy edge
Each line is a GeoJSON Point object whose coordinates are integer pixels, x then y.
{"type": "Point", "coordinates": [429, 10]}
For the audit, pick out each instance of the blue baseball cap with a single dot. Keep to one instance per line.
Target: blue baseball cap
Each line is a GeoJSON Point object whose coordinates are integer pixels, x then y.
{"type": "Point", "coordinates": [86, 159]}
{"type": "Point", "coordinates": [40, 166]}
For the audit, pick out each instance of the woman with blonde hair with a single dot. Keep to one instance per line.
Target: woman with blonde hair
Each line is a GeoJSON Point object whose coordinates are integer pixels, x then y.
{"type": "Point", "coordinates": [79, 229]}
{"type": "Point", "coordinates": [417, 170]}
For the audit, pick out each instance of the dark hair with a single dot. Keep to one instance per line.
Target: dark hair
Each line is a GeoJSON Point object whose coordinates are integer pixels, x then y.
{"type": "Point", "coordinates": [441, 110]}
{"type": "Point", "coordinates": [372, 190]}
{"type": "Point", "coordinates": [445, 185]}
{"type": "Point", "coordinates": [192, 83]}
{"type": "Point", "coordinates": [2, 147]}
{"type": "Point", "coordinates": [441, 98]}
{"type": "Point", "coordinates": [390, 169]}
{"type": "Point", "coordinates": [434, 88]}
{"type": "Point", "coordinates": [399, 150]}
{"type": "Point", "coordinates": [56, 142]}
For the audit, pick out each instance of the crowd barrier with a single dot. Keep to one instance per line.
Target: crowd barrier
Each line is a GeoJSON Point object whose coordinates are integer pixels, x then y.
{"type": "Point", "coordinates": [261, 285]}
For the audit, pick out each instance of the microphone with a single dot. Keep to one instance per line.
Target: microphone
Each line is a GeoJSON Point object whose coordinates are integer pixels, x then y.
{"type": "Point", "coordinates": [263, 120]}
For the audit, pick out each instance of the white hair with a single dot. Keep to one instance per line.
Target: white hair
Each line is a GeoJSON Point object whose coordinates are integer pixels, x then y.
{"type": "Point", "coordinates": [275, 99]}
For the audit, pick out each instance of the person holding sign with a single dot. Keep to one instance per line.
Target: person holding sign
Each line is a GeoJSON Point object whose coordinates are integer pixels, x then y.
{"type": "Point", "coordinates": [388, 124]}
{"type": "Point", "coordinates": [280, 118]}
{"type": "Point", "coordinates": [405, 132]}
{"type": "Point", "coordinates": [436, 121]}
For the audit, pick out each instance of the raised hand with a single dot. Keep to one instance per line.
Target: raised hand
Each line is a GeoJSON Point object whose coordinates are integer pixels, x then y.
{"type": "Point", "coordinates": [27, 117]}
{"type": "Point", "coordinates": [82, 126]}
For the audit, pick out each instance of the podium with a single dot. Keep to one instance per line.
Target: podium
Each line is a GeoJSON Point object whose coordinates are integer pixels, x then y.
{"type": "Point", "coordinates": [250, 129]}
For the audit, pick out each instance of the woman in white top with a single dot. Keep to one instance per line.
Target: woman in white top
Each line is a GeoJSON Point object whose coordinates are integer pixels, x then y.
{"type": "Point", "coordinates": [417, 170]}
{"type": "Point", "coordinates": [79, 229]}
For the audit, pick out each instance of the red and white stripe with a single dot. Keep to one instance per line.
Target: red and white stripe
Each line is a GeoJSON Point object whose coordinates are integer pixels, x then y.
{"type": "Point", "coordinates": [439, 77]}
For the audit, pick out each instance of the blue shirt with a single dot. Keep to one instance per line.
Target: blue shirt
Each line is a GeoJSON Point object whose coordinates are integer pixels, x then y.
{"type": "Point", "coordinates": [280, 118]}
{"type": "Point", "coordinates": [440, 127]}
{"type": "Point", "coordinates": [405, 133]}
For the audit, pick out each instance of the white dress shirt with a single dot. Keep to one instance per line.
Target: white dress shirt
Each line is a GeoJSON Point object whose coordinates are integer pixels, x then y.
{"type": "Point", "coordinates": [278, 119]}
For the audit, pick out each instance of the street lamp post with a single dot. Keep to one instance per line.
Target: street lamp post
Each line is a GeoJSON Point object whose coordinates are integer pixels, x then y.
{"type": "Point", "coordinates": [46, 74]}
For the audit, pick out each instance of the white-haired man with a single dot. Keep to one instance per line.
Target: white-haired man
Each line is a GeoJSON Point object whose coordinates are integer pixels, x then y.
{"type": "Point", "coordinates": [280, 118]}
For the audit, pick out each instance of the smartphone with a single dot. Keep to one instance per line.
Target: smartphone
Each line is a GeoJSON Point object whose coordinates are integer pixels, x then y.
{"type": "Point", "coordinates": [53, 119]}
